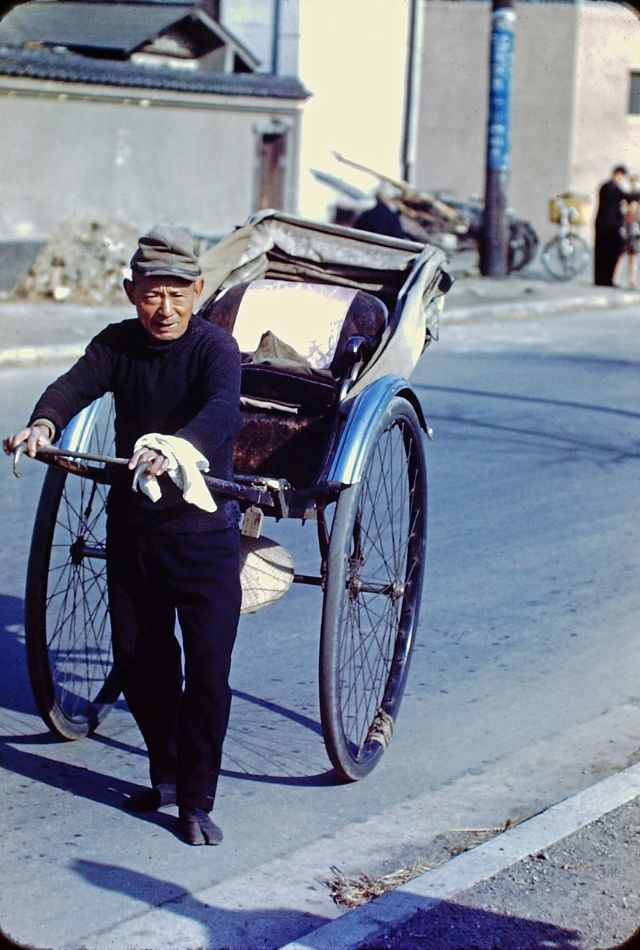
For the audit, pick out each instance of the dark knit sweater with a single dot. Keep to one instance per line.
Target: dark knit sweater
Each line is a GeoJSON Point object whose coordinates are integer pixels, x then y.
{"type": "Point", "coordinates": [189, 387]}
{"type": "Point", "coordinates": [610, 197]}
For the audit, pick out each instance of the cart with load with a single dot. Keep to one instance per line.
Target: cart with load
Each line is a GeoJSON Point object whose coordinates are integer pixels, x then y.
{"type": "Point", "coordinates": [331, 322]}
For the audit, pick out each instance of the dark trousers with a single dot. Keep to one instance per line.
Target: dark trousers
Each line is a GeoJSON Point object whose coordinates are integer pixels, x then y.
{"type": "Point", "coordinates": [151, 579]}
{"type": "Point", "coordinates": [607, 249]}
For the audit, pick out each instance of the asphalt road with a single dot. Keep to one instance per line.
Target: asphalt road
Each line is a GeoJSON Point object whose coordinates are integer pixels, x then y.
{"type": "Point", "coordinates": [524, 685]}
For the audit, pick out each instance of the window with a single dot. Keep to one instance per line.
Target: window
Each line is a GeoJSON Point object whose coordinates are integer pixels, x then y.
{"type": "Point", "coordinates": [634, 93]}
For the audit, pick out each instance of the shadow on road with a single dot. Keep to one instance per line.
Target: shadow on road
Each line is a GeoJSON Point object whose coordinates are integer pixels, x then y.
{"type": "Point", "coordinates": [77, 780]}
{"type": "Point", "coordinates": [15, 693]}
{"type": "Point", "coordinates": [219, 928]}
{"type": "Point", "coordinates": [267, 742]}
{"type": "Point", "coordinates": [280, 748]}
{"type": "Point", "coordinates": [444, 926]}
{"type": "Point", "coordinates": [450, 926]}
{"type": "Point", "coordinates": [262, 748]}
{"type": "Point", "coordinates": [272, 749]}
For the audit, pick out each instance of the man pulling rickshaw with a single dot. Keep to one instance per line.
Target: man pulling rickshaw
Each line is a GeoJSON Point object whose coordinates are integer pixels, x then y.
{"type": "Point", "coordinates": [178, 377]}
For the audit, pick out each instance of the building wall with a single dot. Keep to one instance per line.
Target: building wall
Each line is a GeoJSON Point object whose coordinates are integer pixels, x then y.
{"type": "Point", "coordinates": [144, 158]}
{"type": "Point", "coordinates": [569, 98]}
{"type": "Point", "coordinates": [252, 22]}
{"type": "Point", "coordinates": [353, 59]}
{"type": "Point", "coordinates": [544, 86]}
{"type": "Point", "coordinates": [452, 120]}
{"type": "Point", "coordinates": [605, 134]}
{"type": "Point", "coordinates": [453, 116]}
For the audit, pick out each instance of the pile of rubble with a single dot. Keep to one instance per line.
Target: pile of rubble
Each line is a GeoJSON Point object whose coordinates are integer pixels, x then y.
{"type": "Point", "coordinates": [84, 261]}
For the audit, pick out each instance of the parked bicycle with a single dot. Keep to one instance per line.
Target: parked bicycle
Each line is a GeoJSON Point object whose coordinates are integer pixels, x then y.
{"type": "Point", "coordinates": [567, 254]}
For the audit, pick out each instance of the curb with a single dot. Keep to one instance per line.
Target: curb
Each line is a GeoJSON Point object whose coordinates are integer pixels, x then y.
{"type": "Point", "coordinates": [29, 355]}
{"type": "Point", "coordinates": [425, 892]}
{"type": "Point", "coordinates": [520, 310]}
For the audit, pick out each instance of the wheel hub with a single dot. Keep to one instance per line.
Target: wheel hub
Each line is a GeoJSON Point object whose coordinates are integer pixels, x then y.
{"type": "Point", "coordinates": [356, 586]}
{"type": "Point", "coordinates": [77, 550]}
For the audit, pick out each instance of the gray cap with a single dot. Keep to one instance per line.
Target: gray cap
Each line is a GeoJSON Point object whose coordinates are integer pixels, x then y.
{"type": "Point", "coordinates": [166, 251]}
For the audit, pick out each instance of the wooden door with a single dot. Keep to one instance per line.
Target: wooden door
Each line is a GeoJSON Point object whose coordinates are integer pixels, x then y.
{"type": "Point", "coordinates": [271, 172]}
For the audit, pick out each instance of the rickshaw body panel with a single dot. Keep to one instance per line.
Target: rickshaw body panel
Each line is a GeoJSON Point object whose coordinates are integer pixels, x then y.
{"type": "Point", "coordinates": [365, 409]}
{"type": "Point", "coordinates": [77, 432]}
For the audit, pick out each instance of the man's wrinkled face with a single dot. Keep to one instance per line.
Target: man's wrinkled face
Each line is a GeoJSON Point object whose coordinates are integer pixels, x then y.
{"type": "Point", "coordinates": [164, 305]}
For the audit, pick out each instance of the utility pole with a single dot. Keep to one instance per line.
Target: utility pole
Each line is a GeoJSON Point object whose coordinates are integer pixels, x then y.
{"type": "Point", "coordinates": [275, 37]}
{"type": "Point", "coordinates": [412, 89]}
{"type": "Point", "coordinates": [493, 248]}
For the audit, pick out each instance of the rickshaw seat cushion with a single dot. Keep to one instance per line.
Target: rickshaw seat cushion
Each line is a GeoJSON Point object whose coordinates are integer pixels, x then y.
{"type": "Point", "coordinates": [317, 320]}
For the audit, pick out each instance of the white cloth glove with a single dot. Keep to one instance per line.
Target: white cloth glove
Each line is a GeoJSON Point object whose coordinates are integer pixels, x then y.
{"type": "Point", "coordinates": [186, 465]}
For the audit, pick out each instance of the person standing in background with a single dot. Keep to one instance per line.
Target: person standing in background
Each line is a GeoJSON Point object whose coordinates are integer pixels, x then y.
{"type": "Point", "coordinates": [609, 240]}
{"type": "Point", "coordinates": [631, 240]}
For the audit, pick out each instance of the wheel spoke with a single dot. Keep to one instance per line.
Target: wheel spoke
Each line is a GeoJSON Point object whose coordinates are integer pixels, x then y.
{"type": "Point", "coordinates": [72, 586]}
{"type": "Point", "coordinates": [384, 564]}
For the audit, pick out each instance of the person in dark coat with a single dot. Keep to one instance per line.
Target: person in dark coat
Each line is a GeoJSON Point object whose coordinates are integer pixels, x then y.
{"type": "Point", "coordinates": [609, 226]}
{"type": "Point", "coordinates": [382, 218]}
{"type": "Point", "coordinates": [177, 377]}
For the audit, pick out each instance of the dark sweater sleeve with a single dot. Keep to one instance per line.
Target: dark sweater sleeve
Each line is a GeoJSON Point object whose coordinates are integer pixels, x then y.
{"type": "Point", "coordinates": [89, 378]}
{"type": "Point", "coordinates": [215, 425]}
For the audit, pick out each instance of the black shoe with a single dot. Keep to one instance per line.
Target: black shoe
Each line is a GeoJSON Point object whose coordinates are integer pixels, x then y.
{"type": "Point", "coordinates": [151, 799]}
{"type": "Point", "coordinates": [196, 827]}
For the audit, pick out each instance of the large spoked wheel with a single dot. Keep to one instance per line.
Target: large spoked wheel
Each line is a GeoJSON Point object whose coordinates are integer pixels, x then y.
{"type": "Point", "coordinates": [67, 628]}
{"type": "Point", "coordinates": [372, 596]}
{"type": "Point", "coordinates": [565, 257]}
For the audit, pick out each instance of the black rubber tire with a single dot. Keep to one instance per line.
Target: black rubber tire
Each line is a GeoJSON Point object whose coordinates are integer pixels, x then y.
{"type": "Point", "coordinates": [67, 628]}
{"type": "Point", "coordinates": [523, 244]}
{"type": "Point", "coordinates": [378, 539]}
{"type": "Point", "coordinates": [565, 257]}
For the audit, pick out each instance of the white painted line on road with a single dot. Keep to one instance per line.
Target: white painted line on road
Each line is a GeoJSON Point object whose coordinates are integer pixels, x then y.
{"type": "Point", "coordinates": [479, 864]}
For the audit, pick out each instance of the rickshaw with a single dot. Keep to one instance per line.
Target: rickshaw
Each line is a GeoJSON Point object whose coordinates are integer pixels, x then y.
{"type": "Point", "coordinates": [334, 436]}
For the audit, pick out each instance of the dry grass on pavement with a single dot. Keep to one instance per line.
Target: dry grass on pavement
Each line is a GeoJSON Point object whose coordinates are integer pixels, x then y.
{"type": "Point", "coordinates": [355, 891]}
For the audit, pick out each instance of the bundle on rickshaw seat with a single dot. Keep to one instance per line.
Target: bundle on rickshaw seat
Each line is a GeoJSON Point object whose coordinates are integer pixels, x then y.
{"type": "Point", "coordinates": [294, 338]}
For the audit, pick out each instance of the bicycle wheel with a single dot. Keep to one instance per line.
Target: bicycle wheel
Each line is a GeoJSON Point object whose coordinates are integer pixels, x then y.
{"type": "Point", "coordinates": [67, 629]}
{"type": "Point", "coordinates": [565, 257]}
{"type": "Point", "coordinates": [372, 595]}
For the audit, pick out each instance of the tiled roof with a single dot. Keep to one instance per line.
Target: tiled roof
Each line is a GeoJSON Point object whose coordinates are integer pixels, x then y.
{"type": "Point", "coordinates": [112, 27]}
{"type": "Point", "coordinates": [118, 27]}
{"type": "Point", "coordinates": [65, 66]}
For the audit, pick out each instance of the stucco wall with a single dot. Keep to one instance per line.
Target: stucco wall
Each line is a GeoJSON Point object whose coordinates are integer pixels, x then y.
{"type": "Point", "coordinates": [604, 132]}
{"type": "Point", "coordinates": [543, 104]}
{"type": "Point", "coordinates": [188, 162]}
{"type": "Point", "coordinates": [452, 121]}
{"type": "Point", "coordinates": [353, 59]}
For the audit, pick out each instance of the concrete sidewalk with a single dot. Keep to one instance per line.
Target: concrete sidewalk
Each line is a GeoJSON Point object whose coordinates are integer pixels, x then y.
{"type": "Point", "coordinates": [529, 294]}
